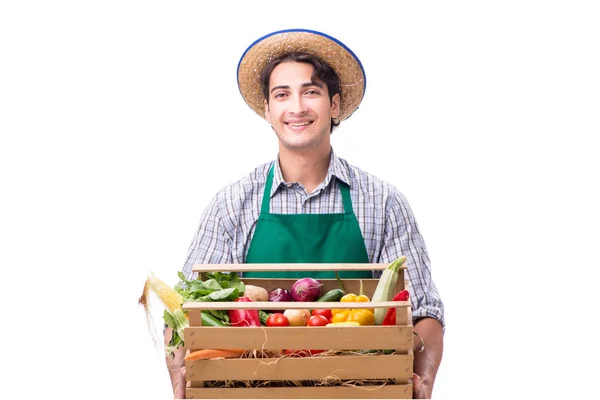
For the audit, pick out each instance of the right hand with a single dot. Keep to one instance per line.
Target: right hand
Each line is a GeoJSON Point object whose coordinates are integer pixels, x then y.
{"type": "Point", "coordinates": [175, 365]}
{"type": "Point", "coordinates": [179, 385]}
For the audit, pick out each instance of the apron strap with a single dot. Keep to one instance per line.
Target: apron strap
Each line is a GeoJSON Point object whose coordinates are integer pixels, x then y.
{"type": "Point", "coordinates": [266, 200]}
{"type": "Point", "coordinates": [346, 197]}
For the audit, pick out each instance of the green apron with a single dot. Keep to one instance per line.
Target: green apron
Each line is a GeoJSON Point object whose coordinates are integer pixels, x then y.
{"type": "Point", "coordinates": [307, 238]}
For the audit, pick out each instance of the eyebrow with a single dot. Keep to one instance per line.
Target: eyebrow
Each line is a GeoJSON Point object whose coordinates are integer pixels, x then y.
{"type": "Point", "coordinates": [306, 84]}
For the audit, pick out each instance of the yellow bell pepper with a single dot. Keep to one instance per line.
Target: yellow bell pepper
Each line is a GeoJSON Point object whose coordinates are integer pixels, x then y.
{"type": "Point", "coordinates": [348, 298]}
{"type": "Point", "coordinates": [363, 316]}
{"type": "Point", "coordinates": [364, 299]}
{"type": "Point", "coordinates": [341, 315]}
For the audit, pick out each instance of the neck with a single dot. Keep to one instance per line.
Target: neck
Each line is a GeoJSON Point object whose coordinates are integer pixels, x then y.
{"type": "Point", "coordinates": [308, 168]}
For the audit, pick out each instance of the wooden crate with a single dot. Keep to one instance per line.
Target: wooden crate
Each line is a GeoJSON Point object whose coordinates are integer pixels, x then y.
{"type": "Point", "coordinates": [397, 367]}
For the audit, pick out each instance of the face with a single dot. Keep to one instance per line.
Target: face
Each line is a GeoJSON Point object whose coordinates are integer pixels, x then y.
{"type": "Point", "coordinates": [300, 111]}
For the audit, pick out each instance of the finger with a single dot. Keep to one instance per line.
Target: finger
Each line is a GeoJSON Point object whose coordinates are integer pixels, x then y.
{"type": "Point", "coordinates": [179, 390]}
{"type": "Point", "coordinates": [416, 383]}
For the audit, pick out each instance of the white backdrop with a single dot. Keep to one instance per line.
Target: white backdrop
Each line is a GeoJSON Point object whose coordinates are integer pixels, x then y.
{"type": "Point", "coordinates": [119, 121]}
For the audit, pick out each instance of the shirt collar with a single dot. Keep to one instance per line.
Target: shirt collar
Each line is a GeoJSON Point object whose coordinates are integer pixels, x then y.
{"type": "Point", "coordinates": [337, 169]}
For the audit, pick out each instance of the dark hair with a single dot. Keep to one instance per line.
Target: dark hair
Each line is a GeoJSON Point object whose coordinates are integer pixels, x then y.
{"type": "Point", "coordinates": [322, 71]}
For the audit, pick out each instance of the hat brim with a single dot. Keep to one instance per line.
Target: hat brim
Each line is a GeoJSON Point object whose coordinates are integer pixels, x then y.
{"type": "Point", "coordinates": [331, 51]}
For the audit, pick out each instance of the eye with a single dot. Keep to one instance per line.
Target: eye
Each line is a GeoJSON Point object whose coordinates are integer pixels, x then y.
{"type": "Point", "coordinates": [279, 95]}
{"type": "Point", "coordinates": [313, 92]}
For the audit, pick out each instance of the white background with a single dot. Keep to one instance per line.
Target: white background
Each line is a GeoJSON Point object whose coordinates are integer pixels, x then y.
{"type": "Point", "coordinates": [119, 121]}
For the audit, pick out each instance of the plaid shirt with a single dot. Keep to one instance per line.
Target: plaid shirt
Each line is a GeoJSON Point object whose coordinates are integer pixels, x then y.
{"type": "Point", "coordinates": [384, 216]}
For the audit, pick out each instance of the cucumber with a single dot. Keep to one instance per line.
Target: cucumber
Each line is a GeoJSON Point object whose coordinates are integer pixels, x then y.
{"type": "Point", "coordinates": [332, 295]}
{"type": "Point", "coordinates": [209, 320]}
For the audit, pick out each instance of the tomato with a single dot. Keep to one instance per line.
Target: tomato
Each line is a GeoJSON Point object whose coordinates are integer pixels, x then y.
{"type": "Point", "coordinates": [323, 312]}
{"type": "Point", "coordinates": [317, 320]}
{"type": "Point", "coordinates": [277, 319]}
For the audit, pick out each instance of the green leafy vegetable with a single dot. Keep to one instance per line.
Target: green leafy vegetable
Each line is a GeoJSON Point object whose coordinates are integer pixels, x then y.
{"type": "Point", "coordinates": [222, 295]}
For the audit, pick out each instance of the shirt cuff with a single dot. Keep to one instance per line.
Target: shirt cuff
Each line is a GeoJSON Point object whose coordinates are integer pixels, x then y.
{"type": "Point", "coordinates": [430, 312]}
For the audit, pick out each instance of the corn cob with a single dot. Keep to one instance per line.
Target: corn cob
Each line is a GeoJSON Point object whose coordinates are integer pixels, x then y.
{"type": "Point", "coordinates": [169, 297]}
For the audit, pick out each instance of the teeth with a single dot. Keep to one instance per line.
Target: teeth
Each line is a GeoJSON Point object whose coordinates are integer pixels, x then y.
{"type": "Point", "coordinates": [302, 124]}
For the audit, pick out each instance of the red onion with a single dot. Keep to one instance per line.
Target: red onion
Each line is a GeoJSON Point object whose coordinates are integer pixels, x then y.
{"type": "Point", "coordinates": [279, 294]}
{"type": "Point", "coordinates": [306, 289]}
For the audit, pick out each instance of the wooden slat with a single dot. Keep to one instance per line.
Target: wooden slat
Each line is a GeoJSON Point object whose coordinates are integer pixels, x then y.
{"type": "Point", "coordinates": [290, 267]}
{"type": "Point", "coordinates": [292, 337]}
{"type": "Point", "coordinates": [190, 382]}
{"type": "Point", "coordinates": [407, 368]}
{"type": "Point", "coordinates": [287, 305]}
{"type": "Point", "coordinates": [320, 392]}
{"type": "Point", "coordinates": [309, 368]}
{"type": "Point", "coordinates": [195, 318]}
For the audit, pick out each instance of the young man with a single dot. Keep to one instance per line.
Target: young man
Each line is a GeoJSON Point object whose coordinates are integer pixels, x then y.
{"type": "Point", "coordinates": [309, 205]}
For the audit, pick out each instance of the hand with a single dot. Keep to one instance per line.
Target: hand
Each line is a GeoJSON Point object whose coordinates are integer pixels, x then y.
{"type": "Point", "coordinates": [179, 386]}
{"type": "Point", "coordinates": [421, 389]}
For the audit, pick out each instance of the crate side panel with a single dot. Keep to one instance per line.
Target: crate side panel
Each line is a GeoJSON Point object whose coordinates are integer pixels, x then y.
{"type": "Point", "coordinates": [397, 367]}
{"type": "Point", "coordinates": [397, 337]}
{"type": "Point", "coordinates": [322, 392]}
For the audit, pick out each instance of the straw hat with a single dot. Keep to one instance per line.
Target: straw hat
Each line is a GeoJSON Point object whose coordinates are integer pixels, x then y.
{"type": "Point", "coordinates": [347, 66]}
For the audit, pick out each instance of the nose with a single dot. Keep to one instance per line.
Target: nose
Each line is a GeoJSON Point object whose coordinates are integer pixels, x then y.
{"type": "Point", "coordinates": [298, 107]}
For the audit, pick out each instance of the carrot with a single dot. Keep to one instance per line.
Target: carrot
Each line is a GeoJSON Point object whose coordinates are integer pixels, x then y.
{"type": "Point", "coordinates": [205, 354]}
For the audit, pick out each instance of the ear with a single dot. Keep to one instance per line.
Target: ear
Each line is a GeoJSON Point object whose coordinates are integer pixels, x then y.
{"type": "Point", "coordinates": [267, 112]}
{"type": "Point", "coordinates": [335, 106]}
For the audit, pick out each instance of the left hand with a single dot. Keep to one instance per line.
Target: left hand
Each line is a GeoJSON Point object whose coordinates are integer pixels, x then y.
{"type": "Point", "coordinates": [421, 389]}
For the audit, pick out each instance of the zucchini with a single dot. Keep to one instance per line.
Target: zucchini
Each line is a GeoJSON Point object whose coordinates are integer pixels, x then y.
{"type": "Point", "coordinates": [332, 295]}
{"type": "Point", "coordinates": [385, 287]}
{"type": "Point", "coordinates": [209, 320]}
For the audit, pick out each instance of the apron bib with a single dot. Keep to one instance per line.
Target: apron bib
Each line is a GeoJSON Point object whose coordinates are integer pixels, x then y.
{"type": "Point", "coordinates": [307, 238]}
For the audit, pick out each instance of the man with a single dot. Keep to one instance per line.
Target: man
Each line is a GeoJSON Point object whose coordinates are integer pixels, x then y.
{"type": "Point", "coordinates": [310, 205]}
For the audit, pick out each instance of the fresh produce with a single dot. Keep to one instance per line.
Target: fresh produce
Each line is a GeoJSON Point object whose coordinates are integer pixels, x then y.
{"type": "Point", "coordinates": [306, 289]}
{"type": "Point", "coordinates": [352, 298]}
{"type": "Point", "coordinates": [263, 316]}
{"type": "Point", "coordinates": [385, 287]}
{"type": "Point", "coordinates": [173, 315]}
{"type": "Point", "coordinates": [332, 295]}
{"type": "Point", "coordinates": [256, 293]}
{"type": "Point", "coordinates": [219, 286]}
{"type": "Point", "coordinates": [278, 295]}
{"type": "Point", "coordinates": [363, 316]}
{"type": "Point", "coordinates": [317, 320]}
{"type": "Point", "coordinates": [244, 317]}
{"type": "Point", "coordinates": [390, 316]}
{"type": "Point", "coordinates": [205, 354]}
{"type": "Point", "coordinates": [323, 312]}
{"type": "Point", "coordinates": [209, 320]}
{"type": "Point", "coordinates": [297, 317]}
{"type": "Point", "coordinates": [277, 319]}
{"type": "Point", "coordinates": [341, 315]}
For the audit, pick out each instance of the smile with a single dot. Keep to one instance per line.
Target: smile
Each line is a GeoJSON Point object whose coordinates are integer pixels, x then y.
{"type": "Point", "coordinates": [298, 124]}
